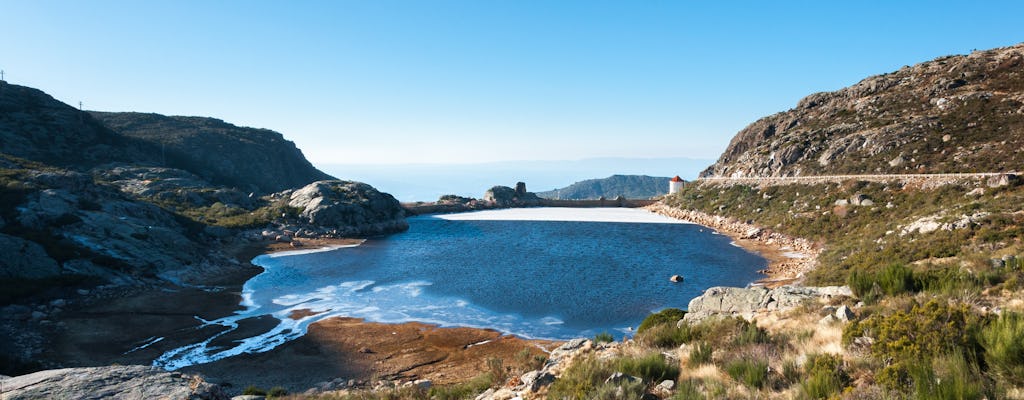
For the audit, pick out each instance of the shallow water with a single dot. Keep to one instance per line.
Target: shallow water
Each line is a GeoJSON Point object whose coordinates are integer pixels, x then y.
{"type": "Point", "coordinates": [536, 273]}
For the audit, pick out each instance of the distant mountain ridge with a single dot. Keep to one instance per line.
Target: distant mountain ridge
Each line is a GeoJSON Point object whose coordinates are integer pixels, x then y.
{"type": "Point", "coordinates": [628, 186]}
{"type": "Point", "coordinates": [960, 113]}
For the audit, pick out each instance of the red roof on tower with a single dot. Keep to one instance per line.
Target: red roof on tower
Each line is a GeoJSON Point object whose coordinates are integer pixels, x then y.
{"type": "Point", "coordinates": [676, 179]}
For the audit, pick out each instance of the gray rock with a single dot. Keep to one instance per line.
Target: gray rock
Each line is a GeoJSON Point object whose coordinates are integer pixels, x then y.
{"type": "Point", "coordinates": [16, 312]}
{"type": "Point", "coordinates": [424, 384]}
{"type": "Point", "coordinates": [619, 378]}
{"type": "Point", "coordinates": [843, 313]}
{"type": "Point", "coordinates": [351, 208]}
{"type": "Point", "coordinates": [25, 259]}
{"type": "Point", "coordinates": [535, 380]}
{"type": "Point", "coordinates": [859, 199]}
{"type": "Point", "coordinates": [38, 315]}
{"type": "Point", "coordinates": [667, 385]}
{"type": "Point", "coordinates": [58, 303]}
{"type": "Point", "coordinates": [248, 397]}
{"type": "Point", "coordinates": [131, 381]}
{"type": "Point", "coordinates": [744, 302]}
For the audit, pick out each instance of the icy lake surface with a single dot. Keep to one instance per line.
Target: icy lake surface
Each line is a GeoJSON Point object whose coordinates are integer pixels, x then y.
{"type": "Point", "coordinates": [554, 273]}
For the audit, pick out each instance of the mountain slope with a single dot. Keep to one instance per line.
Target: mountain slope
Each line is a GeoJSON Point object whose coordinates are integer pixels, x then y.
{"type": "Point", "coordinates": [628, 186]}
{"type": "Point", "coordinates": [35, 126]}
{"type": "Point", "coordinates": [952, 114]}
{"type": "Point", "coordinates": [260, 160]}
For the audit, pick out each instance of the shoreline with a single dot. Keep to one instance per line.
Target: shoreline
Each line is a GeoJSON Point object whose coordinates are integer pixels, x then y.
{"type": "Point", "coordinates": [779, 249]}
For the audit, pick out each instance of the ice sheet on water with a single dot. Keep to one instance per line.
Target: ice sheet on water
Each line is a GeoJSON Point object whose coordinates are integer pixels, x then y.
{"type": "Point", "coordinates": [624, 215]}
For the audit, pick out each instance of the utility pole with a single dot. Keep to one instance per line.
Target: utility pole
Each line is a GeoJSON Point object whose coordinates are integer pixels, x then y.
{"type": "Point", "coordinates": [80, 112]}
{"type": "Point", "coordinates": [1, 74]}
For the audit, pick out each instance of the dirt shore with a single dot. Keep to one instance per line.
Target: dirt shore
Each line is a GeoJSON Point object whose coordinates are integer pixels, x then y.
{"type": "Point", "coordinates": [122, 329]}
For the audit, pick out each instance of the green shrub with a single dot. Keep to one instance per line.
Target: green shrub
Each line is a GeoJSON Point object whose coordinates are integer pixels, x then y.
{"type": "Point", "coordinates": [752, 373]}
{"type": "Point", "coordinates": [891, 280]}
{"type": "Point", "coordinates": [604, 337]}
{"type": "Point", "coordinates": [460, 391]}
{"type": "Point", "coordinates": [925, 331]}
{"type": "Point", "coordinates": [618, 391]}
{"type": "Point", "coordinates": [688, 390]}
{"type": "Point", "coordinates": [277, 391]}
{"type": "Point", "coordinates": [668, 335]}
{"type": "Point", "coordinates": [651, 367]}
{"type": "Point", "coordinates": [666, 316]}
{"type": "Point", "coordinates": [1003, 341]}
{"type": "Point", "coordinates": [825, 376]}
{"type": "Point", "coordinates": [584, 379]}
{"type": "Point", "coordinates": [750, 333]}
{"type": "Point", "coordinates": [254, 391]}
{"type": "Point", "coordinates": [951, 376]}
{"type": "Point", "coordinates": [700, 354]}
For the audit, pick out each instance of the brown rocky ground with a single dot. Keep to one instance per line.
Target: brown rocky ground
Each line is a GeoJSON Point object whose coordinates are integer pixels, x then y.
{"type": "Point", "coordinates": [105, 331]}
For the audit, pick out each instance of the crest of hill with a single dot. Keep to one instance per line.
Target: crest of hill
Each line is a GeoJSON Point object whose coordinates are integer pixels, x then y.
{"type": "Point", "coordinates": [260, 160]}
{"type": "Point", "coordinates": [628, 186]}
{"type": "Point", "coordinates": [961, 113]}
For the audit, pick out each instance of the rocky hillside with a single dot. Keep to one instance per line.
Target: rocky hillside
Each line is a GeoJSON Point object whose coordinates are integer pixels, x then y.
{"type": "Point", "coordinates": [89, 214]}
{"type": "Point", "coordinates": [251, 159]}
{"type": "Point", "coordinates": [628, 186]}
{"type": "Point", "coordinates": [35, 126]}
{"type": "Point", "coordinates": [960, 113]}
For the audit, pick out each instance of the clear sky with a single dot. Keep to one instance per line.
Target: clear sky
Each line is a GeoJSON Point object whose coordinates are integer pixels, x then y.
{"type": "Point", "coordinates": [469, 81]}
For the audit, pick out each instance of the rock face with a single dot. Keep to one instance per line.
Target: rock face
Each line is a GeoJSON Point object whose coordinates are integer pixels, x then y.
{"type": "Point", "coordinates": [953, 114]}
{"type": "Point", "coordinates": [252, 159]}
{"type": "Point", "coordinates": [504, 196]}
{"type": "Point", "coordinates": [628, 186]}
{"type": "Point", "coordinates": [25, 259]}
{"type": "Point", "coordinates": [348, 208]}
{"type": "Point", "coordinates": [745, 302]}
{"type": "Point", "coordinates": [119, 382]}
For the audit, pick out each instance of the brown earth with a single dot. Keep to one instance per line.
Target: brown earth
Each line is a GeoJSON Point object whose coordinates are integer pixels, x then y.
{"type": "Point", "coordinates": [110, 330]}
{"type": "Point", "coordinates": [350, 348]}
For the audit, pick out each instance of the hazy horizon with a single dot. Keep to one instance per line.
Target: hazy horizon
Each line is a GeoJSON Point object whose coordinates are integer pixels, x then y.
{"type": "Point", "coordinates": [426, 182]}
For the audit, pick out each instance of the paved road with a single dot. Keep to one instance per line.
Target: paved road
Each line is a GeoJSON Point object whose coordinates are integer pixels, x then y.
{"type": "Point", "coordinates": [844, 178]}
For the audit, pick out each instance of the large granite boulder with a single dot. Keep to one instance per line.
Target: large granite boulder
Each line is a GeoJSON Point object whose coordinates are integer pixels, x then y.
{"type": "Point", "coordinates": [348, 208]}
{"type": "Point", "coordinates": [117, 382]}
{"type": "Point", "coordinates": [25, 259]}
{"type": "Point", "coordinates": [745, 302]}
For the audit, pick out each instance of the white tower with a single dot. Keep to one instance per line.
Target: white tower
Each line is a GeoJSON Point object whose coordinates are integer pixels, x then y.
{"type": "Point", "coordinates": [675, 185]}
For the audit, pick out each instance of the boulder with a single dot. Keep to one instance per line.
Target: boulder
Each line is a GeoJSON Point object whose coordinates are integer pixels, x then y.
{"type": "Point", "coordinates": [843, 313]}
{"type": "Point", "coordinates": [129, 381]}
{"type": "Point", "coordinates": [676, 278]}
{"type": "Point", "coordinates": [356, 208]}
{"type": "Point", "coordinates": [25, 259]}
{"type": "Point", "coordinates": [745, 302]}
{"type": "Point", "coordinates": [666, 385]}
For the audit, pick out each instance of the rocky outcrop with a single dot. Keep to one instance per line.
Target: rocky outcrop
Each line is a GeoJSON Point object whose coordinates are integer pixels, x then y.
{"type": "Point", "coordinates": [258, 160]}
{"type": "Point", "coordinates": [345, 208]}
{"type": "Point", "coordinates": [118, 382]}
{"type": "Point", "coordinates": [504, 196]}
{"type": "Point", "coordinates": [747, 302]}
{"type": "Point", "coordinates": [24, 259]}
{"type": "Point", "coordinates": [953, 114]}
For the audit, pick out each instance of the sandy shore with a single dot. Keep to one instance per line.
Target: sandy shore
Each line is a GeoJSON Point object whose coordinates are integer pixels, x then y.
{"type": "Point", "coordinates": [788, 258]}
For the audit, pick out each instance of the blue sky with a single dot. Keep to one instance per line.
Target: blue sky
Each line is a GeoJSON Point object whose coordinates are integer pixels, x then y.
{"type": "Point", "coordinates": [471, 81]}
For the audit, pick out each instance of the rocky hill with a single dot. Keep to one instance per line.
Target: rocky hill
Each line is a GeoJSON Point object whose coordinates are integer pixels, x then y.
{"type": "Point", "coordinates": [961, 113]}
{"type": "Point", "coordinates": [251, 159]}
{"type": "Point", "coordinates": [628, 186]}
{"type": "Point", "coordinates": [94, 215]}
